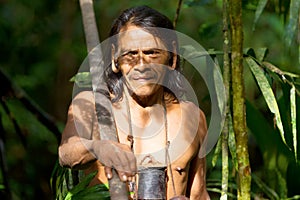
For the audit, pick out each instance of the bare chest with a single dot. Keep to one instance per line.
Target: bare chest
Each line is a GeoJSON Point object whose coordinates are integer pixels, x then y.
{"type": "Point", "coordinates": [159, 138]}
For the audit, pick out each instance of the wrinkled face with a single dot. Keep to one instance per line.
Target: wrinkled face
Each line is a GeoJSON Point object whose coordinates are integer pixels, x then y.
{"type": "Point", "coordinates": [143, 60]}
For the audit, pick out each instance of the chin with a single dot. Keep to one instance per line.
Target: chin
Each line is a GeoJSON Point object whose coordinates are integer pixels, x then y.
{"type": "Point", "coordinates": [145, 90]}
{"type": "Point", "coordinates": [143, 93]}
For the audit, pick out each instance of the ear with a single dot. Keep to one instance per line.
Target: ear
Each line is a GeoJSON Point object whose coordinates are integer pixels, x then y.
{"type": "Point", "coordinates": [174, 56]}
{"type": "Point", "coordinates": [114, 66]}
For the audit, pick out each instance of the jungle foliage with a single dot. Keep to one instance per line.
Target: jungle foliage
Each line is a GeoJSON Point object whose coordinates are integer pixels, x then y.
{"type": "Point", "coordinates": [42, 47]}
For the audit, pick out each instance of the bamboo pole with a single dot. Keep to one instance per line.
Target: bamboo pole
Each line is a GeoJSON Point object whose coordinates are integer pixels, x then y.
{"type": "Point", "coordinates": [117, 188]}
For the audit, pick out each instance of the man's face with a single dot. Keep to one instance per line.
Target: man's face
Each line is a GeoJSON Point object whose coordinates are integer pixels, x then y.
{"type": "Point", "coordinates": [143, 61]}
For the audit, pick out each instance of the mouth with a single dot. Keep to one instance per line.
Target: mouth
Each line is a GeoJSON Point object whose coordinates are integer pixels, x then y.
{"type": "Point", "coordinates": [142, 77]}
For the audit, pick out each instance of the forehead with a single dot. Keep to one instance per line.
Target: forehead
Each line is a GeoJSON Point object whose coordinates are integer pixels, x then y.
{"type": "Point", "coordinates": [136, 38]}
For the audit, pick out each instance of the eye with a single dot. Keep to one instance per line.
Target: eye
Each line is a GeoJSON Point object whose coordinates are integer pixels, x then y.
{"type": "Point", "coordinates": [130, 53]}
{"type": "Point", "coordinates": [128, 56]}
{"type": "Point", "coordinates": [149, 52]}
{"type": "Point", "coordinates": [152, 52]}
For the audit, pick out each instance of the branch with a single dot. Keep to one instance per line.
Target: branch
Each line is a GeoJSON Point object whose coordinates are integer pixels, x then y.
{"type": "Point", "coordinates": [10, 89]}
{"type": "Point", "coordinates": [177, 13]}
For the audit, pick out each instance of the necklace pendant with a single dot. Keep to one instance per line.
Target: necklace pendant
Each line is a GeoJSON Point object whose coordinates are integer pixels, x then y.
{"type": "Point", "coordinates": [131, 140]}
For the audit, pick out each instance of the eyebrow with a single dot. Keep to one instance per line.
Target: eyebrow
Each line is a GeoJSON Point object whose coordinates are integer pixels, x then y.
{"type": "Point", "coordinates": [125, 51]}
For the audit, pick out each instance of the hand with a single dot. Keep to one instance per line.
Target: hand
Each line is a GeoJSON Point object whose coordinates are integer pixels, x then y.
{"type": "Point", "coordinates": [117, 156]}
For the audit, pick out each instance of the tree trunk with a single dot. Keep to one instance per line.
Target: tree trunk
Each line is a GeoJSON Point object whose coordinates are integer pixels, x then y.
{"type": "Point", "coordinates": [239, 110]}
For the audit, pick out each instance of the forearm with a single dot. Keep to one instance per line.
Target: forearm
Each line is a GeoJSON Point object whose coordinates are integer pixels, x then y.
{"type": "Point", "coordinates": [77, 153]}
{"type": "Point", "coordinates": [201, 194]}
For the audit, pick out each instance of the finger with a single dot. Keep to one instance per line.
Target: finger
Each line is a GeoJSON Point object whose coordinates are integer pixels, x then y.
{"type": "Point", "coordinates": [122, 176]}
{"type": "Point", "coordinates": [123, 167]}
{"type": "Point", "coordinates": [129, 178]}
{"type": "Point", "coordinates": [108, 172]}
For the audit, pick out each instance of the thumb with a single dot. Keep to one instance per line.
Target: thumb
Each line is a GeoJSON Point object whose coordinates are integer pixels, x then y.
{"type": "Point", "coordinates": [108, 172]}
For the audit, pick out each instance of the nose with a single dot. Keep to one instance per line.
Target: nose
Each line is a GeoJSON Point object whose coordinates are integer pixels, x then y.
{"type": "Point", "coordinates": [141, 59]}
{"type": "Point", "coordinates": [141, 64]}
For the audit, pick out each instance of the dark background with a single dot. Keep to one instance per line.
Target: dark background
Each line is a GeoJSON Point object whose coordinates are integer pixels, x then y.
{"type": "Point", "coordinates": [42, 46]}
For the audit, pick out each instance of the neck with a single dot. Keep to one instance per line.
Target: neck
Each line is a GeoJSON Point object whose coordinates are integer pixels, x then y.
{"type": "Point", "coordinates": [150, 100]}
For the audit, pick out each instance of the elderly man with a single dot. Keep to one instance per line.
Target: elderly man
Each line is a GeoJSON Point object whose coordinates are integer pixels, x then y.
{"type": "Point", "coordinates": [156, 128]}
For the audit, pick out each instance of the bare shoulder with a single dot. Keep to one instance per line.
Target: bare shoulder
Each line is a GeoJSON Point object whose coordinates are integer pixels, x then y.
{"type": "Point", "coordinates": [83, 101]}
{"type": "Point", "coordinates": [81, 116]}
{"type": "Point", "coordinates": [191, 108]}
{"type": "Point", "coordinates": [82, 108]}
{"type": "Point", "coordinates": [193, 112]}
{"type": "Point", "coordinates": [189, 105]}
{"type": "Point", "coordinates": [84, 95]}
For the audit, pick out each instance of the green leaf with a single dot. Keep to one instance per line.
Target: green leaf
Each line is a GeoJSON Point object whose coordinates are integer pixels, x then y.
{"type": "Point", "coordinates": [291, 28]}
{"type": "Point", "coordinates": [266, 190]}
{"type": "Point", "coordinates": [59, 181]}
{"type": "Point", "coordinates": [261, 53]}
{"type": "Point", "coordinates": [220, 89]}
{"type": "Point", "coordinates": [293, 118]}
{"type": "Point", "coordinates": [216, 190]}
{"type": "Point", "coordinates": [278, 71]}
{"type": "Point", "coordinates": [217, 152]}
{"type": "Point", "coordinates": [189, 52]}
{"type": "Point", "coordinates": [231, 142]}
{"type": "Point", "coordinates": [82, 79]}
{"type": "Point", "coordinates": [281, 183]}
{"type": "Point", "coordinates": [97, 192]}
{"type": "Point", "coordinates": [81, 186]}
{"type": "Point", "coordinates": [267, 93]}
{"type": "Point", "coordinates": [260, 7]}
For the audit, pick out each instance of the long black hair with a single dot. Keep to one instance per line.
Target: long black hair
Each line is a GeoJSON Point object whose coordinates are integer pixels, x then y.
{"type": "Point", "coordinates": [147, 19]}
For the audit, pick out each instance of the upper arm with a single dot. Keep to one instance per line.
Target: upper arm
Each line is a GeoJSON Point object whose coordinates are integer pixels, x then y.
{"type": "Point", "coordinates": [197, 174]}
{"type": "Point", "coordinates": [80, 126]}
{"type": "Point", "coordinates": [81, 118]}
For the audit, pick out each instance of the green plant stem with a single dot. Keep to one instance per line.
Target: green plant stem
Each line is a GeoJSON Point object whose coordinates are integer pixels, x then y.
{"type": "Point", "coordinates": [226, 76]}
{"type": "Point", "coordinates": [238, 99]}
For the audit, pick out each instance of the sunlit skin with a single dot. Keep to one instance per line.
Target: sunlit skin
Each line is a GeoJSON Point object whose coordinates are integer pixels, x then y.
{"type": "Point", "coordinates": [143, 62]}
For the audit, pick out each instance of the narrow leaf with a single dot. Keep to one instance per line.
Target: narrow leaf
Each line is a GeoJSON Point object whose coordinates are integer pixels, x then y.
{"type": "Point", "coordinates": [225, 164]}
{"type": "Point", "coordinates": [217, 152]}
{"type": "Point", "coordinates": [267, 93]}
{"type": "Point", "coordinates": [231, 142]}
{"type": "Point", "coordinates": [96, 192]}
{"type": "Point", "coordinates": [81, 186]}
{"type": "Point", "coordinates": [291, 28]}
{"type": "Point", "coordinates": [266, 189]}
{"type": "Point", "coordinates": [282, 185]}
{"type": "Point", "coordinates": [293, 118]}
{"type": "Point", "coordinates": [278, 71]}
{"type": "Point", "coordinates": [220, 90]}
{"type": "Point", "coordinates": [216, 190]}
{"type": "Point", "coordinates": [82, 79]}
{"type": "Point", "coordinates": [261, 53]}
{"type": "Point", "coordinates": [260, 7]}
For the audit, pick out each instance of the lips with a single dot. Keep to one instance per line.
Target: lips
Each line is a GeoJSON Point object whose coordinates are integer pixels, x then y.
{"type": "Point", "coordinates": [142, 77]}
